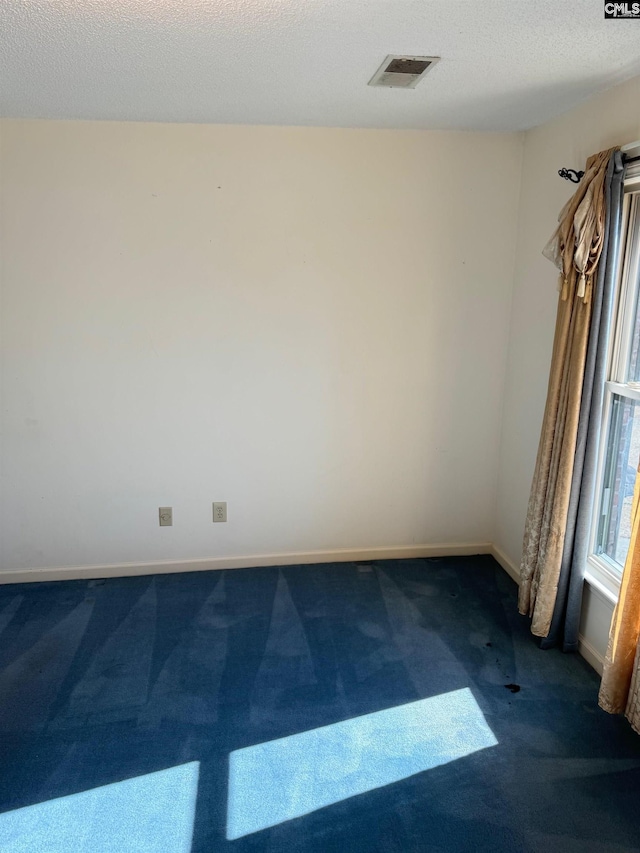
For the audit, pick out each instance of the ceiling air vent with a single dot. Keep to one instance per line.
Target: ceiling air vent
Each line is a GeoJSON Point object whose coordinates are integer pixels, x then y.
{"type": "Point", "coordinates": [402, 72]}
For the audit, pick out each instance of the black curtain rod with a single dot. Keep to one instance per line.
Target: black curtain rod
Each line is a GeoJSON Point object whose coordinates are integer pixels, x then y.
{"type": "Point", "coordinates": [575, 177]}
{"type": "Point", "coordinates": [571, 175]}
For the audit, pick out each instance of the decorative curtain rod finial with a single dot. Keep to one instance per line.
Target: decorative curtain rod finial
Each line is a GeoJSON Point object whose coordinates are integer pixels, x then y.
{"type": "Point", "coordinates": [571, 175]}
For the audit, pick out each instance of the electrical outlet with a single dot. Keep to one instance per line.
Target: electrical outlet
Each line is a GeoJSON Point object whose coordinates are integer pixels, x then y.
{"type": "Point", "coordinates": [166, 516]}
{"type": "Point", "coordinates": [220, 511]}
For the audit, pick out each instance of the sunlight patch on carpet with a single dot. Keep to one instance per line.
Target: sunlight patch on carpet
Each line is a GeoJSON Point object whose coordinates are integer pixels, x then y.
{"type": "Point", "coordinates": [274, 782]}
{"type": "Point", "coordinates": [153, 813]}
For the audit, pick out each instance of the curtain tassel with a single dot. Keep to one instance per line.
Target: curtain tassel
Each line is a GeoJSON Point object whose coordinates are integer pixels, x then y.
{"type": "Point", "coordinates": [582, 286]}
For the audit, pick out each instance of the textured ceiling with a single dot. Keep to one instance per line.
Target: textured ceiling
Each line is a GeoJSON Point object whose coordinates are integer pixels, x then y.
{"type": "Point", "coordinates": [506, 64]}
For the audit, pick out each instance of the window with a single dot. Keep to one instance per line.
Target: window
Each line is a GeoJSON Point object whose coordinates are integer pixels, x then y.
{"type": "Point", "coordinates": [620, 433]}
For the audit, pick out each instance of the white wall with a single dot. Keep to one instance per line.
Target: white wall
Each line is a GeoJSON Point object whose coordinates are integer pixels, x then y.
{"type": "Point", "coordinates": [309, 324]}
{"type": "Point", "coordinates": [607, 120]}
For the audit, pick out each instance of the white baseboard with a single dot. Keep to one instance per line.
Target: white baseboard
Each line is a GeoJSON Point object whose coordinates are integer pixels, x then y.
{"type": "Point", "coordinates": [588, 652]}
{"type": "Point", "coordinates": [510, 567]}
{"type": "Point", "coordinates": [591, 655]}
{"type": "Point", "coordinates": [255, 560]}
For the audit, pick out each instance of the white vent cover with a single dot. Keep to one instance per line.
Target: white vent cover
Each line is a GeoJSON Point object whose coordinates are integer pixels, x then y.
{"type": "Point", "coordinates": [403, 72]}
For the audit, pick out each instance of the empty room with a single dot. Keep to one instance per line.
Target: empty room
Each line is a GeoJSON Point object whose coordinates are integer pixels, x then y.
{"type": "Point", "coordinates": [319, 426]}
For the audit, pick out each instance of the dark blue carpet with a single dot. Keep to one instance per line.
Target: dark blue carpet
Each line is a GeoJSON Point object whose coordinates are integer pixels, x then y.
{"type": "Point", "coordinates": [326, 708]}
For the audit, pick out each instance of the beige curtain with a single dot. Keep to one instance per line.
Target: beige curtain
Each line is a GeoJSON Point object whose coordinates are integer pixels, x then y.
{"type": "Point", "coordinates": [620, 688]}
{"type": "Point", "coordinates": [575, 248]}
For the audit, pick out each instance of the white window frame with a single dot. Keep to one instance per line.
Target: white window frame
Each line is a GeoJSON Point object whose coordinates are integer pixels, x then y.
{"type": "Point", "coordinates": [602, 572]}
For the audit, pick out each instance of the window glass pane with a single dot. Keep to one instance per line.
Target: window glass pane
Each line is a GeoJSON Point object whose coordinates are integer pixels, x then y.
{"type": "Point", "coordinates": [621, 464]}
{"type": "Point", "coordinates": [633, 373]}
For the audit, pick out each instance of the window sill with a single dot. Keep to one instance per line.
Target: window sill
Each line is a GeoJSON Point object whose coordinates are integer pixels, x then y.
{"type": "Point", "coordinates": [605, 581]}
